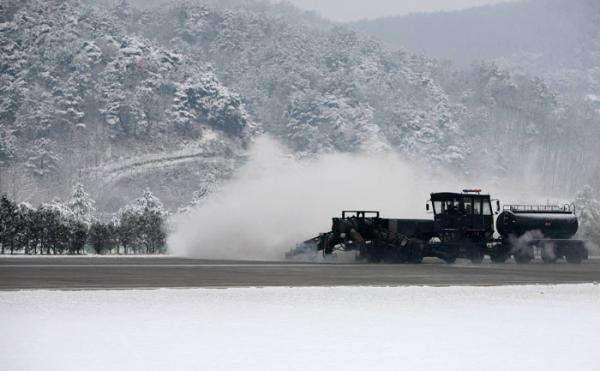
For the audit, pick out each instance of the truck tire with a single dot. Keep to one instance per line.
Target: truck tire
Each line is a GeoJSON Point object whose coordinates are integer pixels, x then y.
{"type": "Point", "coordinates": [477, 256]}
{"type": "Point", "coordinates": [548, 260]}
{"type": "Point", "coordinates": [414, 252]}
{"type": "Point", "coordinates": [522, 258]}
{"type": "Point", "coordinates": [573, 258]}
{"type": "Point", "coordinates": [449, 259]}
{"type": "Point", "coordinates": [549, 254]}
{"type": "Point", "coordinates": [499, 258]}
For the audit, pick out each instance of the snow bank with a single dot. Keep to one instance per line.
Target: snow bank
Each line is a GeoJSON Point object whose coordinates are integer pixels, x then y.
{"type": "Point", "coordinates": [347, 328]}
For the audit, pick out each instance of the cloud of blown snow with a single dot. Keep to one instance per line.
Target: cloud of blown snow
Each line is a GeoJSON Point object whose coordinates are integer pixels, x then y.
{"type": "Point", "coordinates": [277, 201]}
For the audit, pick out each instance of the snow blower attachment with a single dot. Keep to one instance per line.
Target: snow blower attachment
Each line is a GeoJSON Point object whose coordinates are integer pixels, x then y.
{"type": "Point", "coordinates": [462, 227]}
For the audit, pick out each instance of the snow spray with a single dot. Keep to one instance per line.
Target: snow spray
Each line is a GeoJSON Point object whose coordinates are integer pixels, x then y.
{"type": "Point", "coordinates": [276, 200]}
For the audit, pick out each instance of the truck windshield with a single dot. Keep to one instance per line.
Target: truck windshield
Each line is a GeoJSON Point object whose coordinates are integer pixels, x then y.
{"type": "Point", "coordinates": [477, 206]}
{"type": "Point", "coordinates": [464, 204]}
{"type": "Point", "coordinates": [487, 208]}
{"type": "Point", "coordinates": [443, 206]}
{"type": "Point", "coordinates": [468, 205]}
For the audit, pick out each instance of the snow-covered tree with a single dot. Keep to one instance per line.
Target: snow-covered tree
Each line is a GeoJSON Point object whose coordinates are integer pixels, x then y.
{"type": "Point", "coordinates": [149, 202]}
{"type": "Point", "coordinates": [204, 100]}
{"type": "Point", "coordinates": [42, 160]}
{"type": "Point", "coordinates": [25, 236]}
{"type": "Point", "coordinates": [7, 145]}
{"type": "Point", "coordinates": [60, 208]}
{"type": "Point", "coordinates": [102, 237]}
{"type": "Point", "coordinates": [70, 106]}
{"type": "Point", "coordinates": [198, 198]}
{"type": "Point", "coordinates": [82, 205]}
{"type": "Point", "coordinates": [143, 224]}
{"type": "Point", "coordinates": [8, 223]}
{"type": "Point", "coordinates": [588, 211]}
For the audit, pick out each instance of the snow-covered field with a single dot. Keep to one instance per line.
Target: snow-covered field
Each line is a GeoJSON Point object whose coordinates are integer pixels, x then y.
{"type": "Point", "coordinates": [341, 328]}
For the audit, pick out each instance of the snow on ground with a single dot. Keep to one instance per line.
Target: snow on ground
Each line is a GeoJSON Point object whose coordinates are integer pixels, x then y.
{"type": "Point", "coordinates": [341, 328]}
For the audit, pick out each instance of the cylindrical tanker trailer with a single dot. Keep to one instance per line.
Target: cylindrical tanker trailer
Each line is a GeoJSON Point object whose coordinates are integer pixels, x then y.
{"type": "Point", "coordinates": [523, 228]}
{"type": "Point", "coordinates": [552, 222]}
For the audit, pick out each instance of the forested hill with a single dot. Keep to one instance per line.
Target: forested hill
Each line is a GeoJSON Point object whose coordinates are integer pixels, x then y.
{"type": "Point", "coordinates": [84, 99]}
{"type": "Point", "coordinates": [334, 90]}
{"type": "Point", "coordinates": [559, 39]}
{"type": "Point", "coordinates": [123, 98]}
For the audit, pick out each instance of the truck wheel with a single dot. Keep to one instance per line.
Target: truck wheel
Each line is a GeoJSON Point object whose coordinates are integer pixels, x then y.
{"type": "Point", "coordinates": [499, 258]}
{"type": "Point", "coordinates": [416, 259]}
{"type": "Point", "coordinates": [450, 259]}
{"type": "Point", "coordinates": [548, 254]}
{"type": "Point", "coordinates": [414, 252]}
{"type": "Point", "coordinates": [477, 257]}
{"type": "Point", "coordinates": [573, 258]}
{"type": "Point", "coordinates": [522, 259]}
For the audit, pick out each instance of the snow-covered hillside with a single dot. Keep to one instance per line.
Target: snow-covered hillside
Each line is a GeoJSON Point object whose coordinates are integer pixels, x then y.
{"type": "Point", "coordinates": [84, 99]}
{"type": "Point", "coordinates": [557, 39]}
{"type": "Point", "coordinates": [169, 94]}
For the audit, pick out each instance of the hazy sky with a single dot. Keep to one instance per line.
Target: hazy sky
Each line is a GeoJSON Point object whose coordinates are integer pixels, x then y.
{"type": "Point", "coordinates": [349, 10]}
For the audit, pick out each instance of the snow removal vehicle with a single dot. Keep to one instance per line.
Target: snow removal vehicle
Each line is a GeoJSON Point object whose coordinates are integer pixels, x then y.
{"type": "Point", "coordinates": [462, 227]}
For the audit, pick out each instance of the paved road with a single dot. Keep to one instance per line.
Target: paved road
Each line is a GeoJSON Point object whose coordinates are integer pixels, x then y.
{"type": "Point", "coordinates": [131, 272]}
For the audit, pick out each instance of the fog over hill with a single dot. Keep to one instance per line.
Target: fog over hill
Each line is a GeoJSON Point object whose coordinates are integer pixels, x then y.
{"type": "Point", "coordinates": [557, 39]}
{"type": "Point", "coordinates": [169, 95]}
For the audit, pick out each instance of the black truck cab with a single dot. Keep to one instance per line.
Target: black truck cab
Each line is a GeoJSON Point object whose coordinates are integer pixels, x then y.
{"type": "Point", "coordinates": [467, 215]}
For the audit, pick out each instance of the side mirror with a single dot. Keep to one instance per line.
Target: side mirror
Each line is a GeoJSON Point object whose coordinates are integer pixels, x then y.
{"type": "Point", "coordinates": [498, 205]}
{"type": "Point", "coordinates": [427, 207]}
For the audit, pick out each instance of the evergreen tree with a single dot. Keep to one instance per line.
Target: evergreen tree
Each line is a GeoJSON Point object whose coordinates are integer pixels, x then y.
{"type": "Point", "coordinates": [587, 208]}
{"type": "Point", "coordinates": [82, 205]}
{"type": "Point", "coordinates": [128, 229]}
{"type": "Point", "coordinates": [48, 221]}
{"type": "Point", "coordinates": [198, 198]}
{"type": "Point", "coordinates": [152, 231]}
{"type": "Point", "coordinates": [8, 223]}
{"type": "Point", "coordinates": [42, 160]}
{"type": "Point", "coordinates": [25, 235]}
{"type": "Point", "coordinates": [63, 211]}
{"type": "Point", "coordinates": [70, 106]}
{"type": "Point", "coordinates": [78, 234]}
{"type": "Point", "coordinates": [142, 224]}
{"type": "Point", "coordinates": [149, 202]}
{"type": "Point", "coordinates": [7, 145]}
{"type": "Point", "coordinates": [101, 237]}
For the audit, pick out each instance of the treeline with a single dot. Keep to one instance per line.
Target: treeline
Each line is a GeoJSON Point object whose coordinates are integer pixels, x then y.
{"type": "Point", "coordinates": [38, 231]}
{"type": "Point", "coordinates": [71, 228]}
{"type": "Point", "coordinates": [133, 233]}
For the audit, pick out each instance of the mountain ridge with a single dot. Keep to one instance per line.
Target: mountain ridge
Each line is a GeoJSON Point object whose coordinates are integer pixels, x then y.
{"type": "Point", "coordinates": [90, 90]}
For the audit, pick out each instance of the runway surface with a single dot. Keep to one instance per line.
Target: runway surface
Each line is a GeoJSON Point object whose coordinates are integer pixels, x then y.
{"type": "Point", "coordinates": [156, 272]}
